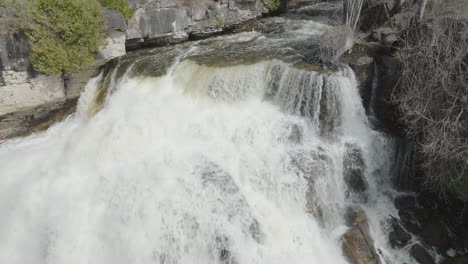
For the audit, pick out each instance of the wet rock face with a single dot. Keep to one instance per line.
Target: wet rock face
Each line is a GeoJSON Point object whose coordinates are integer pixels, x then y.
{"type": "Point", "coordinates": [398, 237]}
{"type": "Point", "coordinates": [354, 167]}
{"type": "Point", "coordinates": [405, 202]}
{"type": "Point", "coordinates": [436, 233]}
{"type": "Point", "coordinates": [357, 243]}
{"type": "Point", "coordinates": [421, 255]}
{"type": "Point", "coordinates": [432, 227]}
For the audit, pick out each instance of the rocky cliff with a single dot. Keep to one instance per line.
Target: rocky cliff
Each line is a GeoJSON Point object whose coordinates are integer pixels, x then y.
{"type": "Point", "coordinates": [172, 21]}
{"type": "Point", "coordinates": [29, 99]}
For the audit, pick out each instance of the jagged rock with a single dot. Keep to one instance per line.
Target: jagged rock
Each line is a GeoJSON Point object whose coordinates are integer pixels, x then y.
{"type": "Point", "coordinates": [114, 43]}
{"type": "Point", "coordinates": [14, 53]}
{"type": "Point", "coordinates": [114, 46]}
{"type": "Point", "coordinates": [398, 237]}
{"type": "Point", "coordinates": [355, 216]}
{"type": "Point", "coordinates": [113, 20]}
{"type": "Point", "coordinates": [405, 202]}
{"type": "Point", "coordinates": [421, 255]}
{"type": "Point", "coordinates": [357, 248]}
{"type": "Point", "coordinates": [358, 245]}
{"type": "Point", "coordinates": [156, 22]}
{"type": "Point", "coordinates": [436, 233]}
{"type": "Point", "coordinates": [409, 221]}
{"type": "Point", "coordinates": [363, 67]}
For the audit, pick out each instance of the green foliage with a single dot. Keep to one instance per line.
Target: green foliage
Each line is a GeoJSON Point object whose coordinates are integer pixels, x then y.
{"type": "Point", "coordinates": [2, 3]}
{"type": "Point", "coordinates": [64, 34]}
{"type": "Point", "coordinates": [219, 20]}
{"type": "Point", "coordinates": [459, 187]}
{"type": "Point", "coordinates": [118, 5]}
{"type": "Point", "coordinates": [273, 5]}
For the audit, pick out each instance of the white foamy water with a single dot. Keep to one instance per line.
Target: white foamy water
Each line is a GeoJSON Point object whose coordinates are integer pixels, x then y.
{"type": "Point", "coordinates": [202, 165]}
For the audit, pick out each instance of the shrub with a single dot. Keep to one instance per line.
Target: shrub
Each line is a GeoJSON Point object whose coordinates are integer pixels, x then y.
{"type": "Point", "coordinates": [432, 97]}
{"type": "Point", "coordinates": [118, 5]}
{"type": "Point", "coordinates": [273, 5]}
{"type": "Point", "coordinates": [459, 187]}
{"type": "Point", "coordinates": [64, 34]}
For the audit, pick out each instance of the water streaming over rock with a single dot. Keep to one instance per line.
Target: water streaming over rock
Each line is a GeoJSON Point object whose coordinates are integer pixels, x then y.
{"type": "Point", "coordinates": [190, 161]}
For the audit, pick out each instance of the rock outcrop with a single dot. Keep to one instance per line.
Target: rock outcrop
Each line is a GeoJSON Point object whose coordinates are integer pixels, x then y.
{"type": "Point", "coordinates": [29, 100]}
{"type": "Point", "coordinates": [358, 246]}
{"type": "Point", "coordinates": [158, 22]}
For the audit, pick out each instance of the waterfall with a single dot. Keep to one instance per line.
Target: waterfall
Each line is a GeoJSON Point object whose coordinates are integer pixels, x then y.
{"type": "Point", "coordinates": [175, 156]}
{"type": "Point", "coordinates": [200, 165]}
{"type": "Point", "coordinates": [352, 12]}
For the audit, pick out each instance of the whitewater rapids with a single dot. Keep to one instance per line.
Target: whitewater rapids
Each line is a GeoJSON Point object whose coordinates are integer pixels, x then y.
{"type": "Point", "coordinates": [203, 164]}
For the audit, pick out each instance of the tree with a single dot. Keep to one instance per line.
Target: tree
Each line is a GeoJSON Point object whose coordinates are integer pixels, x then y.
{"type": "Point", "coordinates": [64, 34]}
{"type": "Point", "coordinates": [432, 97]}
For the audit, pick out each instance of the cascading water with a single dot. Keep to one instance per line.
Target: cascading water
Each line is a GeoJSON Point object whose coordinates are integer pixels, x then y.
{"type": "Point", "coordinates": [199, 163]}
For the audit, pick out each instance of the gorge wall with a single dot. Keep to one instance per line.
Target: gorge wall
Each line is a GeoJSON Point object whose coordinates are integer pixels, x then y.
{"type": "Point", "coordinates": [29, 99]}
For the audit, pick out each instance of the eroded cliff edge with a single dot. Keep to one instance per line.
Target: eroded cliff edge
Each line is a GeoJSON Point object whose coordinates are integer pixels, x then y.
{"type": "Point", "coordinates": [30, 101]}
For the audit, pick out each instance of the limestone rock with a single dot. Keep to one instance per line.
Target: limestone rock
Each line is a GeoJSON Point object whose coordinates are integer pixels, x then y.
{"type": "Point", "coordinates": [113, 20]}
{"type": "Point", "coordinates": [358, 245]}
{"type": "Point", "coordinates": [159, 21]}
{"type": "Point", "coordinates": [355, 216]}
{"type": "Point", "coordinates": [114, 46]}
{"type": "Point", "coordinates": [22, 93]}
{"type": "Point", "coordinates": [358, 249]}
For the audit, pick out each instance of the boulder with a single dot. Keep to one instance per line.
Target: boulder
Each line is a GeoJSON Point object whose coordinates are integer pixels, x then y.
{"type": "Point", "coordinates": [404, 201]}
{"type": "Point", "coordinates": [398, 237]}
{"type": "Point", "coordinates": [436, 233]}
{"type": "Point", "coordinates": [358, 245]}
{"type": "Point", "coordinates": [113, 20]}
{"type": "Point", "coordinates": [409, 221]}
{"type": "Point", "coordinates": [354, 168]}
{"type": "Point", "coordinates": [355, 216]}
{"type": "Point", "coordinates": [357, 248]}
{"type": "Point", "coordinates": [114, 43]}
{"type": "Point", "coordinates": [421, 255]}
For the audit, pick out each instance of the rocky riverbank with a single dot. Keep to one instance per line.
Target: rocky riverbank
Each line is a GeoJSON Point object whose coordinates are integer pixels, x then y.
{"type": "Point", "coordinates": [28, 99]}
